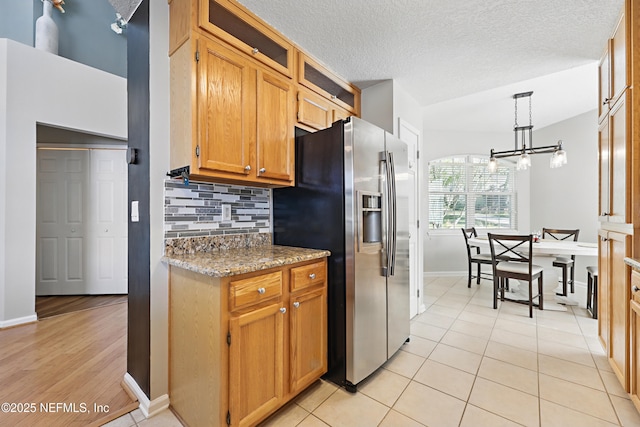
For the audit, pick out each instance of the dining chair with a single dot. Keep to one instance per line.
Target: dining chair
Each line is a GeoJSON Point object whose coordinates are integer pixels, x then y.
{"type": "Point", "coordinates": [475, 257]}
{"type": "Point", "coordinates": [567, 264]}
{"type": "Point", "coordinates": [519, 248]}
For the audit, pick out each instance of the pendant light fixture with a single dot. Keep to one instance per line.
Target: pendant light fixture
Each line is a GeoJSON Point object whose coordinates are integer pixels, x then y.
{"type": "Point", "coordinates": [524, 144]}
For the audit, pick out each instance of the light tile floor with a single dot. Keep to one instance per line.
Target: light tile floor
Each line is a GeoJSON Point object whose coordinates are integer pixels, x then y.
{"type": "Point", "coordinates": [468, 365]}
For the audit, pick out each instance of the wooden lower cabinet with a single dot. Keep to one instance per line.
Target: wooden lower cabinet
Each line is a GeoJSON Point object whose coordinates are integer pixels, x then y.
{"type": "Point", "coordinates": [634, 386]}
{"type": "Point", "coordinates": [614, 294]}
{"type": "Point", "coordinates": [243, 346]}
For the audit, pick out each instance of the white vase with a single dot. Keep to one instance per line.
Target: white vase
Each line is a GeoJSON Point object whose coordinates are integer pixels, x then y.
{"type": "Point", "coordinates": [47, 30]}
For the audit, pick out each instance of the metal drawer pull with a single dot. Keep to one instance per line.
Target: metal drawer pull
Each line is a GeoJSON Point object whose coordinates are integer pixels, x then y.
{"type": "Point", "coordinates": [283, 310]}
{"type": "Point", "coordinates": [636, 289]}
{"type": "Point", "coordinates": [262, 170]}
{"type": "Point", "coordinates": [296, 304]}
{"type": "Point", "coordinates": [312, 276]}
{"type": "Point", "coordinates": [247, 168]}
{"type": "Point", "coordinates": [255, 50]}
{"type": "Point", "coordinates": [261, 291]}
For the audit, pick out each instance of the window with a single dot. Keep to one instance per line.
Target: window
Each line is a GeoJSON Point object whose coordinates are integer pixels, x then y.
{"type": "Point", "coordinates": [463, 193]}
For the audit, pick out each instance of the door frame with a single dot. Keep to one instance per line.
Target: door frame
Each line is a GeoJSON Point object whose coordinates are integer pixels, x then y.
{"type": "Point", "coordinates": [405, 128]}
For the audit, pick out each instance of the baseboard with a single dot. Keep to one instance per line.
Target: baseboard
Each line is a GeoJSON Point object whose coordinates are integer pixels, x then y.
{"type": "Point", "coordinates": [18, 321]}
{"type": "Point", "coordinates": [444, 273]}
{"type": "Point", "coordinates": [148, 407]}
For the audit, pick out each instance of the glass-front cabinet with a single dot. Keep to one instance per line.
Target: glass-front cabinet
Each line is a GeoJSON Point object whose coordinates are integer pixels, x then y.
{"type": "Point", "coordinates": [233, 24]}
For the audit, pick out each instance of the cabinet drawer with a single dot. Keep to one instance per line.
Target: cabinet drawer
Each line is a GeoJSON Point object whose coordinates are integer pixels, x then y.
{"type": "Point", "coordinates": [635, 284]}
{"type": "Point", "coordinates": [308, 275]}
{"type": "Point", "coordinates": [253, 290]}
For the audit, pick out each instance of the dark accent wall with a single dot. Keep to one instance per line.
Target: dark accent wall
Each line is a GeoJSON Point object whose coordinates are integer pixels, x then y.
{"type": "Point", "coordinates": [138, 340]}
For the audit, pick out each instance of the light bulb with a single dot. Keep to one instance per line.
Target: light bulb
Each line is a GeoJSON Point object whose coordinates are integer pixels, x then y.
{"type": "Point", "coordinates": [492, 166]}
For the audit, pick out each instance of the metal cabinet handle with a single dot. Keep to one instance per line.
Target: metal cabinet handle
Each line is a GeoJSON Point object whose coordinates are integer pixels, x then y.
{"type": "Point", "coordinates": [606, 101]}
{"type": "Point", "coordinates": [297, 304]}
{"type": "Point", "coordinates": [247, 168]}
{"type": "Point", "coordinates": [283, 310]}
{"type": "Point", "coordinates": [636, 289]}
{"type": "Point", "coordinates": [261, 291]}
{"type": "Point", "coordinates": [333, 97]}
{"type": "Point", "coordinates": [255, 50]}
{"type": "Point", "coordinates": [312, 276]}
{"type": "Point", "coordinates": [605, 213]}
{"type": "Point", "coordinates": [262, 170]}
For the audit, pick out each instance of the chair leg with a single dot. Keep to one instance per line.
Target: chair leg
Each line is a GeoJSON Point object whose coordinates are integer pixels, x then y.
{"type": "Point", "coordinates": [479, 271]}
{"type": "Point", "coordinates": [595, 298]}
{"type": "Point", "coordinates": [495, 292]}
{"type": "Point", "coordinates": [564, 283]}
{"type": "Point", "coordinates": [470, 275]}
{"type": "Point", "coordinates": [573, 271]}
{"type": "Point", "coordinates": [530, 299]}
{"type": "Point", "coordinates": [589, 290]}
{"type": "Point", "coordinates": [540, 292]}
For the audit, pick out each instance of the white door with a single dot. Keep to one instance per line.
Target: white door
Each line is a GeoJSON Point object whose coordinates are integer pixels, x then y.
{"type": "Point", "coordinates": [81, 222]}
{"type": "Point", "coordinates": [60, 228]}
{"type": "Point", "coordinates": [107, 223]}
{"type": "Point", "coordinates": [411, 136]}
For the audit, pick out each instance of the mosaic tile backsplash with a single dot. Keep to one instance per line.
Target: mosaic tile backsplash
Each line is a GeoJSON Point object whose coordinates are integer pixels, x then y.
{"type": "Point", "coordinates": [196, 210]}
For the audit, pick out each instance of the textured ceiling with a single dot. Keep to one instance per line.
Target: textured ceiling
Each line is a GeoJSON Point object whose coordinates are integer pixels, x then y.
{"type": "Point", "coordinates": [126, 8]}
{"type": "Point", "coordinates": [441, 50]}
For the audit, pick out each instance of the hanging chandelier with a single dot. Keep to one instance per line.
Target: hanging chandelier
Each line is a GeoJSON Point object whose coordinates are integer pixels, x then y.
{"type": "Point", "coordinates": [524, 144]}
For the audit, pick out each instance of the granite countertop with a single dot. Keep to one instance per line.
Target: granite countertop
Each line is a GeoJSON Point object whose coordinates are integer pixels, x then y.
{"type": "Point", "coordinates": [229, 262]}
{"type": "Point", "coordinates": [633, 263]}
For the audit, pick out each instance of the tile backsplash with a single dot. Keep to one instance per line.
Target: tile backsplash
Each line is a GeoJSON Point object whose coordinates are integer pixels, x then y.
{"type": "Point", "coordinates": [196, 209]}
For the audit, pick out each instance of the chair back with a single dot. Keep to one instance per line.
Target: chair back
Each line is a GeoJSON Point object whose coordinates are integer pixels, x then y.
{"type": "Point", "coordinates": [518, 248]}
{"type": "Point", "coordinates": [559, 234]}
{"type": "Point", "coordinates": [468, 233]}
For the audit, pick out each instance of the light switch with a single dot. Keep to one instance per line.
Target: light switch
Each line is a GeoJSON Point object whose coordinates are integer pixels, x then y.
{"type": "Point", "coordinates": [135, 215]}
{"type": "Point", "coordinates": [226, 212]}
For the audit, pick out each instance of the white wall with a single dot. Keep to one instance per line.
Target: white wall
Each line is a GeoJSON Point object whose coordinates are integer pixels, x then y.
{"type": "Point", "coordinates": [159, 155]}
{"type": "Point", "coordinates": [556, 198]}
{"type": "Point", "coordinates": [444, 251]}
{"type": "Point", "coordinates": [567, 197]}
{"type": "Point", "coordinates": [38, 87]}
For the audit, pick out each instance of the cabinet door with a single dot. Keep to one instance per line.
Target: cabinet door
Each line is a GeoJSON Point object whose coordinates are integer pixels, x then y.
{"type": "Point", "coordinates": [604, 88]}
{"type": "Point", "coordinates": [618, 60]}
{"type": "Point", "coordinates": [256, 364]}
{"type": "Point", "coordinates": [226, 110]}
{"type": "Point", "coordinates": [634, 384]}
{"type": "Point", "coordinates": [618, 151]}
{"type": "Point", "coordinates": [237, 26]}
{"type": "Point", "coordinates": [275, 143]}
{"type": "Point", "coordinates": [604, 170]}
{"type": "Point", "coordinates": [603, 288]}
{"type": "Point", "coordinates": [340, 114]}
{"type": "Point", "coordinates": [308, 338]}
{"type": "Point", "coordinates": [619, 292]}
{"type": "Point", "coordinates": [313, 111]}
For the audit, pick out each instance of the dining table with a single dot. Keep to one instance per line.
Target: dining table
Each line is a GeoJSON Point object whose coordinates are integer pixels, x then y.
{"type": "Point", "coordinates": [544, 252]}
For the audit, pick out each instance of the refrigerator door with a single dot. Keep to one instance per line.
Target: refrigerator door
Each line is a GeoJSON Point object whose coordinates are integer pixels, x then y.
{"type": "Point", "coordinates": [366, 301]}
{"type": "Point", "coordinates": [398, 280]}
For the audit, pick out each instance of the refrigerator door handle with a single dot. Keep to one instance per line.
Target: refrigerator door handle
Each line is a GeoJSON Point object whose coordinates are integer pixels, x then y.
{"type": "Point", "coordinates": [390, 210]}
{"type": "Point", "coordinates": [385, 176]}
{"type": "Point", "coordinates": [393, 221]}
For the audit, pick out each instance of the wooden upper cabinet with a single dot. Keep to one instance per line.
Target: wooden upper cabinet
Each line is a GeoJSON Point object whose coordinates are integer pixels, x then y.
{"type": "Point", "coordinates": [604, 86]}
{"type": "Point", "coordinates": [313, 110]}
{"type": "Point", "coordinates": [619, 81]}
{"type": "Point", "coordinates": [322, 81]}
{"type": "Point", "coordinates": [275, 139]}
{"type": "Point", "coordinates": [619, 171]}
{"type": "Point", "coordinates": [226, 110]}
{"type": "Point", "coordinates": [234, 24]}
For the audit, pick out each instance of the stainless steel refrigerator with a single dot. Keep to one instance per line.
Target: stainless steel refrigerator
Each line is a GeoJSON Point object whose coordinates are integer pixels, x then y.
{"type": "Point", "coordinates": [351, 197]}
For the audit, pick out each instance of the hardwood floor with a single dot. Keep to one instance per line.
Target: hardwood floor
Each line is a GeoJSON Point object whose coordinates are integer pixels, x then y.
{"type": "Point", "coordinates": [55, 305]}
{"type": "Point", "coordinates": [65, 370]}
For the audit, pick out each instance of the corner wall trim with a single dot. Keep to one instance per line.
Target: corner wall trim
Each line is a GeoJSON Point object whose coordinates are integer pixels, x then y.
{"type": "Point", "coordinates": [148, 407]}
{"type": "Point", "coordinates": [18, 321]}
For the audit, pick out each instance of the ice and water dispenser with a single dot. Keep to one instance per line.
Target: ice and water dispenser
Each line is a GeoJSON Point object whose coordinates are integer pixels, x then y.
{"type": "Point", "coordinates": [370, 216]}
